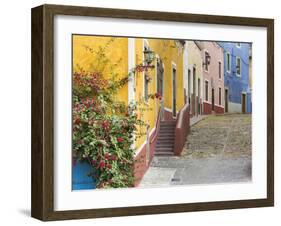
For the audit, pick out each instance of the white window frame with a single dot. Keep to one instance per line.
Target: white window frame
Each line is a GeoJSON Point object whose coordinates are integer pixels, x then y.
{"type": "Point", "coordinates": [204, 61]}
{"type": "Point", "coordinates": [220, 96]}
{"type": "Point", "coordinates": [220, 70]}
{"type": "Point", "coordinates": [205, 90]}
{"type": "Point", "coordinates": [228, 70]}
{"type": "Point", "coordinates": [238, 75]}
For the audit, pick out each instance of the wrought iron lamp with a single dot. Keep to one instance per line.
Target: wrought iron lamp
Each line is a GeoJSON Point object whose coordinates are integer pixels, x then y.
{"type": "Point", "coordinates": [148, 56]}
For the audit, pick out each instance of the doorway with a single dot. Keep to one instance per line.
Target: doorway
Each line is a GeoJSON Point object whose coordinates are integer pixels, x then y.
{"type": "Point", "coordinates": [174, 93]}
{"type": "Point", "coordinates": [160, 86]}
{"type": "Point", "coordinates": [213, 99]}
{"type": "Point", "coordinates": [243, 103]}
{"type": "Point", "coordinates": [194, 91]}
{"type": "Point", "coordinates": [189, 91]}
{"type": "Point", "coordinates": [226, 100]}
{"type": "Point", "coordinates": [199, 96]}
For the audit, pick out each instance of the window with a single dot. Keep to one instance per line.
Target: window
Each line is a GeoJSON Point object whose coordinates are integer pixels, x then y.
{"type": "Point", "coordinates": [219, 96]}
{"type": "Point", "coordinates": [146, 78]}
{"type": "Point", "coordinates": [219, 70]}
{"type": "Point", "coordinates": [189, 81]}
{"type": "Point", "coordinates": [199, 87]}
{"type": "Point", "coordinates": [207, 61]}
{"type": "Point", "coordinates": [238, 44]}
{"type": "Point", "coordinates": [238, 66]}
{"type": "Point", "coordinates": [228, 63]}
{"type": "Point", "coordinates": [146, 82]}
{"type": "Point", "coordinates": [206, 90]}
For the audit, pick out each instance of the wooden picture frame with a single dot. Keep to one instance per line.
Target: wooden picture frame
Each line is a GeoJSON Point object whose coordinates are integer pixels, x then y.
{"type": "Point", "coordinates": [42, 203]}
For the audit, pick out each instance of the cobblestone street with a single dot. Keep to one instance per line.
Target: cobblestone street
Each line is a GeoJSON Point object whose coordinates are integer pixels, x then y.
{"type": "Point", "coordinates": [218, 150]}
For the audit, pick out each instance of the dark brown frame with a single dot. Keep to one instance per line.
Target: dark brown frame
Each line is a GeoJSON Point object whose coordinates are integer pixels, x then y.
{"type": "Point", "coordinates": [42, 112]}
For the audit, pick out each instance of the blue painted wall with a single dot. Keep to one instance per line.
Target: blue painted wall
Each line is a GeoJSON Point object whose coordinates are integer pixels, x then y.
{"type": "Point", "coordinates": [80, 176]}
{"type": "Point", "coordinates": [236, 84]}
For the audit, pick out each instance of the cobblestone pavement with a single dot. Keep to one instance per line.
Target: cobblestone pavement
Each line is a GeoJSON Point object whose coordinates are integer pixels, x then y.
{"type": "Point", "coordinates": [218, 150]}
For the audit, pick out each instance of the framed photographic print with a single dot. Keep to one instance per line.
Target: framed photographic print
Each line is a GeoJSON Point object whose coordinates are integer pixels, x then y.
{"type": "Point", "coordinates": [141, 112]}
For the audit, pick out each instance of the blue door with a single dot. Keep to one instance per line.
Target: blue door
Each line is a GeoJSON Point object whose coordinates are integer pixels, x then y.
{"type": "Point", "coordinates": [80, 176]}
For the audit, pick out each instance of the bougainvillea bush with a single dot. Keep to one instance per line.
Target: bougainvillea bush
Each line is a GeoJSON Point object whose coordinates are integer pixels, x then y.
{"type": "Point", "coordinates": [104, 128]}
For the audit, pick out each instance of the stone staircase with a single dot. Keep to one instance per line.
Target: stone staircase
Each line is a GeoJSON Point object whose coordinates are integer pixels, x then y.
{"type": "Point", "coordinates": [166, 138]}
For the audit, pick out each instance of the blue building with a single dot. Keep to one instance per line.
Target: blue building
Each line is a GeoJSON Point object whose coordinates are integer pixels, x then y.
{"type": "Point", "coordinates": [236, 77]}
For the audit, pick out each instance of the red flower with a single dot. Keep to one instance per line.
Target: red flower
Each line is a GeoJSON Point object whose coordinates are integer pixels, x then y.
{"type": "Point", "coordinates": [102, 164]}
{"type": "Point", "coordinates": [109, 166]}
{"type": "Point", "coordinates": [77, 121]}
{"type": "Point", "coordinates": [113, 157]}
{"type": "Point", "coordinates": [94, 162]}
{"type": "Point", "coordinates": [105, 125]}
{"type": "Point", "coordinates": [107, 156]}
{"type": "Point", "coordinates": [120, 139]}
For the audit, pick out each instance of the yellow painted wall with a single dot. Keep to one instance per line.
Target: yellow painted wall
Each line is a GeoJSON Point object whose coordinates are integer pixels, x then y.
{"type": "Point", "coordinates": [117, 52]}
{"type": "Point", "coordinates": [170, 54]}
{"type": "Point", "coordinates": [195, 59]}
{"type": "Point", "coordinates": [85, 57]}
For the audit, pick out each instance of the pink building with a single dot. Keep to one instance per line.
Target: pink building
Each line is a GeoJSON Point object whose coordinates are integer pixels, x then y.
{"type": "Point", "coordinates": [213, 77]}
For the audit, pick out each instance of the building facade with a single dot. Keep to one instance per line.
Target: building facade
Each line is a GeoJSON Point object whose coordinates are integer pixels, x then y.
{"type": "Point", "coordinates": [165, 78]}
{"type": "Point", "coordinates": [194, 77]}
{"type": "Point", "coordinates": [213, 78]}
{"type": "Point", "coordinates": [237, 78]}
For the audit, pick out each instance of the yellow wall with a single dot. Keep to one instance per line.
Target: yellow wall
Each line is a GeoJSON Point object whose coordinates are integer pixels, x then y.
{"type": "Point", "coordinates": [85, 57]}
{"type": "Point", "coordinates": [195, 59]}
{"type": "Point", "coordinates": [169, 54]}
{"type": "Point", "coordinates": [117, 52]}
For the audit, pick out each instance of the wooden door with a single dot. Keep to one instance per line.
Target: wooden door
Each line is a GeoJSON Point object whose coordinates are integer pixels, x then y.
{"type": "Point", "coordinates": [226, 100]}
{"type": "Point", "coordinates": [194, 91]}
{"type": "Point", "coordinates": [199, 96]}
{"type": "Point", "coordinates": [189, 91]}
{"type": "Point", "coordinates": [160, 86]}
{"type": "Point", "coordinates": [243, 103]}
{"type": "Point", "coordinates": [160, 71]}
{"type": "Point", "coordinates": [213, 99]}
{"type": "Point", "coordinates": [174, 93]}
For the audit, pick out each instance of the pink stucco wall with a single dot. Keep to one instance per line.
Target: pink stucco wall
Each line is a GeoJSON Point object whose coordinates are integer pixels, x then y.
{"type": "Point", "coordinates": [212, 74]}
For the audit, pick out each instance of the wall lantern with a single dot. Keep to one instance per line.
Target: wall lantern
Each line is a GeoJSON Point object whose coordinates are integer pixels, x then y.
{"type": "Point", "coordinates": [148, 55]}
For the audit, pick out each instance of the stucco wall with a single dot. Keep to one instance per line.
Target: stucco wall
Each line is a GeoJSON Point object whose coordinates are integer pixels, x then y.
{"type": "Point", "coordinates": [195, 62]}
{"type": "Point", "coordinates": [117, 51]}
{"type": "Point", "coordinates": [212, 74]}
{"type": "Point", "coordinates": [235, 83]}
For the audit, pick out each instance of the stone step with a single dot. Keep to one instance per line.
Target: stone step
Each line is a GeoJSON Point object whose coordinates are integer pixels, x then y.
{"type": "Point", "coordinates": [168, 123]}
{"type": "Point", "coordinates": [165, 141]}
{"type": "Point", "coordinates": [163, 130]}
{"type": "Point", "coordinates": [164, 138]}
{"type": "Point", "coordinates": [167, 131]}
{"type": "Point", "coordinates": [164, 149]}
{"type": "Point", "coordinates": [165, 144]}
{"type": "Point", "coordinates": [164, 153]}
{"type": "Point", "coordinates": [172, 134]}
